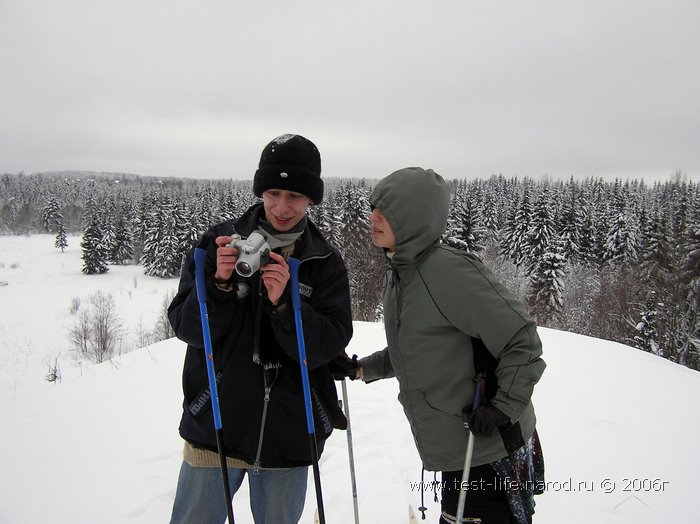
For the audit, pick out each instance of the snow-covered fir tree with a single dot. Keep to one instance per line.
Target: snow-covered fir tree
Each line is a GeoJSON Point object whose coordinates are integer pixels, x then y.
{"type": "Point", "coordinates": [51, 215]}
{"type": "Point", "coordinates": [363, 262]}
{"type": "Point", "coordinates": [61, 238]}
{"type": "Point", "coordinates": [655, 258]}
{"type": "Point", "coordinates": [545, 298]}
{"type": "Point", "coordinates": [122, 247]}
{"type": "Point", "coordinates": [622, 240]}
{"type": "Point", "coordinates": [109, 218]}
{"type": "Point", "coordinates": [541, 234]}
{"type": "Point", "coordinates": [94, 251]}
{"type": "Point", "coordinates": [327, 217]}
{"type": "Point", "coordinates": [161, 251]}
{"type": "Point", "coordinates": [186, 229]}
{"type": "Point", "coordinates": [572, 222]}
{"type": "Point", "coordinates": [490, 218]}
{"type": "Point", "coordinates": [515, 235]}
{"type": "Point", "coordinates": [647, 333]}
{"type": "Point", "coordinates": [465, 230]}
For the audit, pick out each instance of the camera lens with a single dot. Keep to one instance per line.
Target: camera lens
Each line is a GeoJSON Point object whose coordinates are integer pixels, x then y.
{"type": "Point", "coordinates": [244, 269]}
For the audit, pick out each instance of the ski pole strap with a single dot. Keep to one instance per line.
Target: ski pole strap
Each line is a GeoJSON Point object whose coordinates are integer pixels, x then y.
{"type": "Point", "coordinates": [199, 262]}
{"type": "Point", "coordinates": [296, 306]}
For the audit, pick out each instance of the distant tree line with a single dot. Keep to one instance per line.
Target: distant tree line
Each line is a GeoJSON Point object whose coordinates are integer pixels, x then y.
{"type": "Point", "coordinates": [614, 260]}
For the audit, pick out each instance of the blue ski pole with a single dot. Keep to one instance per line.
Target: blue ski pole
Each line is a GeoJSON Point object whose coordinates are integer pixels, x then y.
{"type": "Point", "coordinates": [296, 305]}
{"type": "Point", "coordinates": [199, 260]}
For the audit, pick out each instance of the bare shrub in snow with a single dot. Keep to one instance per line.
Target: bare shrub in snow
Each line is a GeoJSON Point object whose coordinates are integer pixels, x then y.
{"type": "Point", "coordinates": [98, 330]}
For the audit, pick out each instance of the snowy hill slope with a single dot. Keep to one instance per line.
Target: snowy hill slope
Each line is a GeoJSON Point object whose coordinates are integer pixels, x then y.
{"type": "Point", "coordinates": [618, 426]}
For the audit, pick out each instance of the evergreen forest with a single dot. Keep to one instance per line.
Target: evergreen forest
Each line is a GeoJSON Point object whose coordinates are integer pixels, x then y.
{"type": "Point", "coordinates": [614, 260]}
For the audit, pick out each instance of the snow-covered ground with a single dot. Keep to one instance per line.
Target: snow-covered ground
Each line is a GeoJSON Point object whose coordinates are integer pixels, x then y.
{"type": "Point", "coordinates": [619, 427]}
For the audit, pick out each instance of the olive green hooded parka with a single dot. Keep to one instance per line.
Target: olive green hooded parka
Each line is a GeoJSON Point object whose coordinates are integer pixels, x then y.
{"type": "Point", "coordinates": [438, 302]}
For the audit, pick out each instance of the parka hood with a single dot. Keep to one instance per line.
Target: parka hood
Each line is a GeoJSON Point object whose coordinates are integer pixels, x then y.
{"type": "Point", "coordinates": [415, 202]}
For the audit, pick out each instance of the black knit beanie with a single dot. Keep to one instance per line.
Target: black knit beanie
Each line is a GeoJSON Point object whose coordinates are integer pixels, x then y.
{"type": "Point", "coordinates": [293, 163]}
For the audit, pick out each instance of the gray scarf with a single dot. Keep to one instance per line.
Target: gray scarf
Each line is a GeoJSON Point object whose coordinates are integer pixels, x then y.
{"type": "Point", "coordinates": [284, 241]}
{"type": "Point", "coordinates": [277, 239]}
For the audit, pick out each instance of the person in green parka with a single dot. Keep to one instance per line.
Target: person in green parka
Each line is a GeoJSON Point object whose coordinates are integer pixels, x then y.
{"type": "Point", "coordinates": [450, 325]}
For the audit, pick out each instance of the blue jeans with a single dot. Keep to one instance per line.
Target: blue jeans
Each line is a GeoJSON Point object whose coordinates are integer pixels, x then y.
{"type": "Point", "coordinates": [276, 495]}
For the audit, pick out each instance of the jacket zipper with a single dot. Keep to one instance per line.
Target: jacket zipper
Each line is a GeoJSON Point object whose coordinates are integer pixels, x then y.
{"type": "Point", "coordinates": [266, 402]}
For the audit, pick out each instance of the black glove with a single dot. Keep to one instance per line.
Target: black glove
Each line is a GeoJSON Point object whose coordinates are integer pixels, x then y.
{"type": "Point", "coordinates": [344, 366]}
{"type": "Point", "coordinates": [484, 420]}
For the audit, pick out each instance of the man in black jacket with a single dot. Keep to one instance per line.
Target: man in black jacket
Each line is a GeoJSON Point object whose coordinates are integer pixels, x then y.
{"type": "Point", "coordinates": [255, 347]}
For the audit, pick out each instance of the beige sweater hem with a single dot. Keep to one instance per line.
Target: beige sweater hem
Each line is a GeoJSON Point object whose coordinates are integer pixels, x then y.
{"type": "Point", "coordinates": [203, 458]}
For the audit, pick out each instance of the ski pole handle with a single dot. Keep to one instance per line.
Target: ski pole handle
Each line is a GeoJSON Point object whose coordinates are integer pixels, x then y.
{"type": "Point", "coordinates": [294, 274]}
{"type": "Point", "coordinates": [477, 396]}
{"type": "Point", "coordinates": [200, 256]}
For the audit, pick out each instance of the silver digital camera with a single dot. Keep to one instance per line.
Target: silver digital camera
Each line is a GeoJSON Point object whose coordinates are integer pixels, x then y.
{"type": "Point", "coordinates": [253, 252]}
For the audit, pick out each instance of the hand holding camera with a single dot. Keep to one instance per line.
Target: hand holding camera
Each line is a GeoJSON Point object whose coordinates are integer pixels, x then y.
{"type": "Point", "coordinates": [252, 253]}
{"type": "Point", "coordinates": [275, 275]}
{"type": "Point", "coordinates": [226, 258]}
{"type": "Point", "coordinates": [246, 256]}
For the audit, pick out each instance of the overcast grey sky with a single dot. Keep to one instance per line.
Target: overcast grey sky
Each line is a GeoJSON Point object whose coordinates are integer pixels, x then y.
{"type": "Point", "coordinates": [196, 88]}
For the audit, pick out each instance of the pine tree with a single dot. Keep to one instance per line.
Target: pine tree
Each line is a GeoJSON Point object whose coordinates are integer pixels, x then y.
{"type": "Point", "coordinates": [51, 215]}
{"type": "Point", "coordinates": [572, 223]}
{"type": "Point", "coordinates": [364, 263]}
{"type": "Point", "coordinates": [61, 239]}
{"type": "Point", "coordinates": [655, 257]}
{"type": "Point", "coordinates": [186, 230]}
{"type": "Point", "coordinates": [587, 236]}
{"type": "Point", "coordinates": [122, 248]}
{"type": "Point", "coordinates": [647, 333]}
{"type": "Point", "coordinates": [547, 284]}
{"type": "Point", "coordinates": [206, 209]}
{"type": "Point", "coordinates": [141, 216]}
{"type": "Point", "coordinates": [541, 234]}
{"type": "Point", "coordinates": [515, 234]}
{"type": "Point", "coordinates": [689, 348]}
{"type": "Point", "coordinates": [162, 247]}
{"type": "Point", "coordinates": [465, 230]}
{"type": "Point", "coordinates": [596, 223]}
{"type": "Point", "coordinates": [94, 251]}
{"type": "Point", "coordinates": [327, 217]}
{"type": "Point", "coordinates": [622, 240]}
{"type": "Point", "coordinates": [152, 229]}
{"type": "Point", "coordinates": [490, 218]}
{"type": "Point", "coordinates": [692, 260]}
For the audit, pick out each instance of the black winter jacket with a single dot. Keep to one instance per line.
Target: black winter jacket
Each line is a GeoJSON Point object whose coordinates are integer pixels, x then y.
{"type": "Point", "coordinates": [327, 322]}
